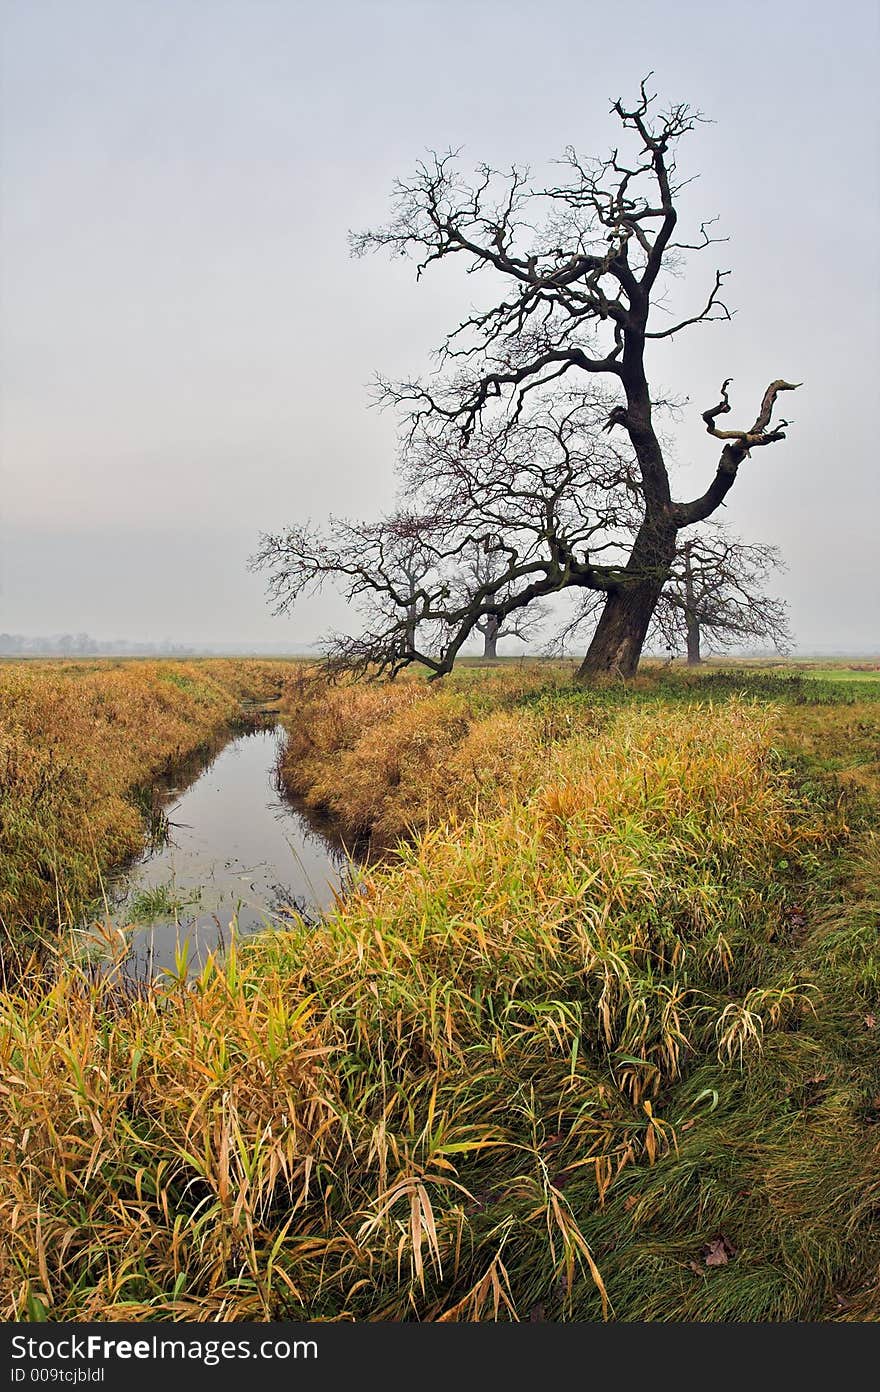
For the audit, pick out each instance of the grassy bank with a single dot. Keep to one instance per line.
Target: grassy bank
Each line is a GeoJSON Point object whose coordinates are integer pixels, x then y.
{"type": "Point", "coordinates": [599, 1041]}
{"type": "Point", "coordinates": [386, 761]}
{"type": "Point", "coordinates": [77, 743]}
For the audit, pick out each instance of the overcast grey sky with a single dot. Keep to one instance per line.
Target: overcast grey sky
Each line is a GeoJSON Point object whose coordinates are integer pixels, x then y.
{"type": "Point", "coordinates": [187, 347]}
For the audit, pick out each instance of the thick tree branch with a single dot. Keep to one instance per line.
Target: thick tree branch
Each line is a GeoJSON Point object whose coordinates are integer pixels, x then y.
{"type": "Point", "coordinates": [740, 442]}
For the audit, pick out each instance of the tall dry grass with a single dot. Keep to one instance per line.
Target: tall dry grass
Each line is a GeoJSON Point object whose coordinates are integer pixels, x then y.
{"type": "Point", "coordinates": [536, 1068]}
{"type": "Point", "coordinates": [385, 760]}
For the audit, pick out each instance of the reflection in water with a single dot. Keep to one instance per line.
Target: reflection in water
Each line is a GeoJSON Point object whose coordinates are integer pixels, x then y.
{"type": "Point", "coordinates": [238, 858]}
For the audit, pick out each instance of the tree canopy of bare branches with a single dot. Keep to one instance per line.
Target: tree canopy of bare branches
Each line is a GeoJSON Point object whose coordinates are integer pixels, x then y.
{"type": "Point", "coordinates": [537, 433]}
{"type": "Point", "coordinates": [497, 528]}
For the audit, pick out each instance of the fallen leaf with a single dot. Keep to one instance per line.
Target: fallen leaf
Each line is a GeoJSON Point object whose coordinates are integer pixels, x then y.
{"type": "Point", "coordinates": [719, 1251]}
{"type": "Point", "coordinates": [716, 1254]}
{"type": "Point", "coordinates": [871, 1021]}
{"type": "Point", "coordinates": [795, 916]}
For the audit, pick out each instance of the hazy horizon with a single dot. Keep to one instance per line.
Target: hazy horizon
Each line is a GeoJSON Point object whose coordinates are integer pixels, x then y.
{"type": "Point", "coordinates": [52, 645]}
{"type": "Point", "coordinates": [186, 346]}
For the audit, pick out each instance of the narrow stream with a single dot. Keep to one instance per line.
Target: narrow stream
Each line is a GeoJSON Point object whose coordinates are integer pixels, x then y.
{"type": "Point", "coordinates": [238, 858]}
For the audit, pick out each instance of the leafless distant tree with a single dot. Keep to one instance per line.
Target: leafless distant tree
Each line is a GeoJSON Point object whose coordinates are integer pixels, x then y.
{"type": "Point", "coordinates": [478, 571]}
{"type": "Point", "coordinates": [521, 625]}
{"type": "Point", "coordinates": [715, 592]}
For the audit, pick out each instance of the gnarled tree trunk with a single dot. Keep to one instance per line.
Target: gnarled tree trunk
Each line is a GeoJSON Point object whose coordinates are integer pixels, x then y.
{"type": "Point", "coordinates": [490, 635]}
{"type": "Point", "coordinates": [621, 631]}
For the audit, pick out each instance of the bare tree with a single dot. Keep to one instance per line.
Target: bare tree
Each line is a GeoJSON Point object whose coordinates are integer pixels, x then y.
{"type": "Point", "coordinates": [488, 531]}
{"type": "Point", "coordinates": [583, 268]}
{"type": "Point", "coordinates": [716, 591]}
{"type": "Point", "coordinates": [388, 570]}
{"type": "Point", "coordinates": [520, 625]}
{"type": "Point", "coordinates": [480, 570]}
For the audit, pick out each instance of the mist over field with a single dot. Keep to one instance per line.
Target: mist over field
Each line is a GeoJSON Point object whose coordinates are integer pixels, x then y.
{"type": "Point", "coordinates": [187, 346]}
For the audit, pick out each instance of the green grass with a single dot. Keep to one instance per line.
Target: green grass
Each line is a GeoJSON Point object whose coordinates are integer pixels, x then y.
{"type": "Point", "coordinates": [161, 901]}
{"type": "Point", "coordinates": [842, 674]}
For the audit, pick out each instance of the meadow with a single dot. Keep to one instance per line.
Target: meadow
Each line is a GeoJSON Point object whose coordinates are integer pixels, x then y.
{"type": "Point", "coordinates": [593, 1036]}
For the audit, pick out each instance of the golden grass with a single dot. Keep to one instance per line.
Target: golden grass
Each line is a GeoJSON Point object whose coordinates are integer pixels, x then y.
{"type": "Point", "coordinates": [387, 759]}
{"type": "Point", "coordinates": [533, 1068]}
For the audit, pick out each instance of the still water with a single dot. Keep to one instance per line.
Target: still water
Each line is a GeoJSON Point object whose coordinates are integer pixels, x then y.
{"type": "Point", "coordinates": [238, 858]}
